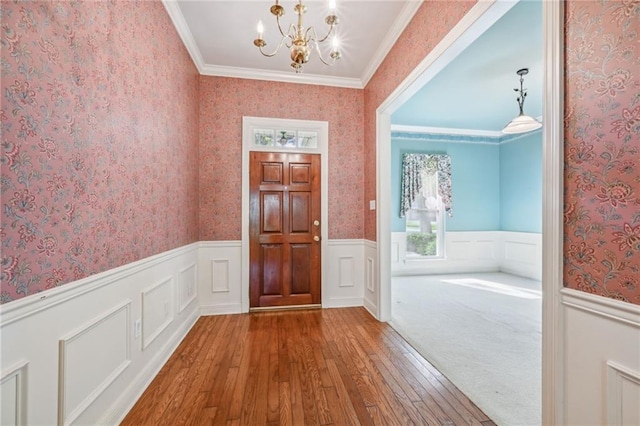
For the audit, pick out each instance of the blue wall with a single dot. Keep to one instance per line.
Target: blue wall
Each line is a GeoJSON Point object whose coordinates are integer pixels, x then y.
{"type": "Point", "coordinates": [521, 184]}
{"type": "Point", "coordinates": [475, 174]}
{"type": "Point", "coordinates": [495, 187]}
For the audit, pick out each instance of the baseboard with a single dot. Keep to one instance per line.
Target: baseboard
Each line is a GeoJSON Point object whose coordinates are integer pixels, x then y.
{"type": "Point", "coordinates": [371, 308]}
{"type": "Point", "coordinates": [347, 302]}
{"type": "Point", "coordinates": [131, 395]}
{"type": "Point", "coordinates": [232, 308]}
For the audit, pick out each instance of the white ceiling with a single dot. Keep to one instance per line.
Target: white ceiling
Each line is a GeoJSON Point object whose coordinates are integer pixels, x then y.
{"type": "Point", "coordinates": [219, 36]}
{"type": "Point", "coordinates": [474, 91]}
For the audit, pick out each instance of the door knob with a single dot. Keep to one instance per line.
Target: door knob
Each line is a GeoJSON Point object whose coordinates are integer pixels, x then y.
{"type": "Point", "coordinates": [316, 238]}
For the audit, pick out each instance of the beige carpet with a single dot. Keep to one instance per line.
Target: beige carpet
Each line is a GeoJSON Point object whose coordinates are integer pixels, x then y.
{"type": "Point", "coordinates": [483, 331]}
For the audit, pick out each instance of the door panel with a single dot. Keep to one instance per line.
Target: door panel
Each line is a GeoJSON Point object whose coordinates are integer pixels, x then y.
{"type": "Point", "coordinates": [284, 243]}
{"type": "Point", "coordinates": [271, 212]}
{"type": "Point", "coordinates": [300, 212]}
{"type": "Point", "coordinates": [300, 273]}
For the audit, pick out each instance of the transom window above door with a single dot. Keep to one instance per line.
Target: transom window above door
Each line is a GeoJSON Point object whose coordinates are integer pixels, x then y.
{"type": "Point", "coordinates": [285, 138]}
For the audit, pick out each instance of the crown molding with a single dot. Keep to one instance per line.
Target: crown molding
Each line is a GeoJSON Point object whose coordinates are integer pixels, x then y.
{"type": "Point", "coordinates": [443, 134]}
{"type": "Point", "coordinates": [446, 131]}
{"type": "Point", "coordinates": [399, 25]}
{"type": "Point", "coordinates": [181, 26]}
{"type": "Point", "coordinates": [279, 76]}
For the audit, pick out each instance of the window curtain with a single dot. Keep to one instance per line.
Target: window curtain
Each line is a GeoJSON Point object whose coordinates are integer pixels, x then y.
{"type": "Point", "coordinates": [412, 167]}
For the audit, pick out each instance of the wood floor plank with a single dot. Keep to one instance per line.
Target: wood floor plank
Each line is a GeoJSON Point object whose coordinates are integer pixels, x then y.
{"type": "Point", "coordinates": [324, 367]}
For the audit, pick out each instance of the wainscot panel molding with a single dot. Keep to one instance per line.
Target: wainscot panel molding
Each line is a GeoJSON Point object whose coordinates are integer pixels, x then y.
{"type": "Point", "coordinates": [107, 342]}
{"type": "Point", "coordinates": [344, 280]}
{"type": "Point", "coordinates": [61, 336]}
{"type": "Point", "coordinates": [220, 277]}
{"type": "Point", "coordinates": [517, 253]}
{"type": "Point", "coordinates": [602, 348]}
{"type": "Point", "coordinates": [464, 252]}
{"type": "Point", "coordinates": [13, 388]}
{"type": "Point", "coordinates": [521, 254]}
{"type": "Point", "coordinates": [157, 310]}
{"type": "Point", "coordinates": [371, 289]}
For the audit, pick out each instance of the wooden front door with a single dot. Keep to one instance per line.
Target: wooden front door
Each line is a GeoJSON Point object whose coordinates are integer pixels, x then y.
{"type": "Point", "coordinates": [284, 229]}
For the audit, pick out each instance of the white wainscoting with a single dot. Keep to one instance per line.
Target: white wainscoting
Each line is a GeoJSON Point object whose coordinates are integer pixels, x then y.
{"type": "Point", "coordinates": [220, 277]}
{"type": "Point", "coordinates": [602, 352]}
{"type": "Point", "coordinates": [157, 310]}
{"type": "Point", "coordinates": [517, 253]}
{"type": "Point", "coordinates": [521, 254]}
{"type": "Point", "coordinates": [220, 272]}
{"type": "Point", "coordinates": [13, 389]}
{"type": "Point", "coordinates": [344, 280]}
{"type": "Point", "coordinates": [371, 287]}
{"type": "Point", "coordinates": [107, 341]}
{"type": "Point", "coordinates": [85, 363]}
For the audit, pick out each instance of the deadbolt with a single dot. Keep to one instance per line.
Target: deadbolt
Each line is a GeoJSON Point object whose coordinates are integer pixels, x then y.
{"type": "Point", "coordinates": [316, 223]}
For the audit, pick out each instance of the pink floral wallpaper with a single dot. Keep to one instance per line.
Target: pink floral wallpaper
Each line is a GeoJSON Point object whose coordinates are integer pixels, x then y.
{"type": "Point", "coordinates": [602, 148]}
{"type": "Point", "coordinates": [433, 20]}
{"type": "Point", "coordinates": [223, 103]}
{"type": "Point", "coordinates": [99, 122]}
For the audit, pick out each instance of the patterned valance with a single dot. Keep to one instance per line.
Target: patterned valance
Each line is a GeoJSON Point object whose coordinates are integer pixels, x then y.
{"type": "Point", "coordinates": [413, 166]}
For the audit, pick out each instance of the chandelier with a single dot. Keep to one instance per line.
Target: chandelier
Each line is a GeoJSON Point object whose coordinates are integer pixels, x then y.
{"type": "Point", "coordinates": [522, 123]}
{"type": "Point", "coordinates": [300, 40]}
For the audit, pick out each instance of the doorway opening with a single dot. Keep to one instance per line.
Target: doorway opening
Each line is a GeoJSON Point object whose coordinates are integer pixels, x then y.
{"type": "Point", "coordinates": [260, 134]}
{"type": "Point", "coordinates": [481, 17]}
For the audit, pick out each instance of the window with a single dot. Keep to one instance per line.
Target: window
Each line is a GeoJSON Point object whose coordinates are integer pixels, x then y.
{"type": "Point", "coordinates": [425, 197]}
{"type": "Point", "coordinates": [424, 221]}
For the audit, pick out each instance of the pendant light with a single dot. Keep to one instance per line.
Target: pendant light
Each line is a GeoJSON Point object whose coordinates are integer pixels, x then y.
{"type": "Point", "coordinates": [522, 123]}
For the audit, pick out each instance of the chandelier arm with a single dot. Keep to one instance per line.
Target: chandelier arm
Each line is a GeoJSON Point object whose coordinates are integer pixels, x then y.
{"type": "Point", "coordinates": [280, 28]}
{"type": "Point", "coordinates": [269, 55]}
{"type": "Point", "coordinates": [323, 39]}
{"type": "Point", "coordinates": [315, 41]}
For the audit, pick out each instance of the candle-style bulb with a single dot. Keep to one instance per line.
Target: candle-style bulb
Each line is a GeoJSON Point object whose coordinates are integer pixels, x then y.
{"type": "Point", "coordinates": [332, 5]}
{"type": "Point", "coordinates": [260, 29]}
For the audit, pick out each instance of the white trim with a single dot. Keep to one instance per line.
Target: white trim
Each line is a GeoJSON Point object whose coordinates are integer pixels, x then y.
{"type": "Point", "coordinates": [479, 18]}
{"type": "Point", "coordinates": [322, 127]}
{"type": "Point", "coordinates": [220, 244]}
{"type": "Point", "coordinates": [616, 376]}
{"type": "Point", "coordinates": [280, 76]}
{"type": "Point", "coordinates": [553, 336]}
{"type": "Point", "coordinates": [446, 131]}
{"type": "Point", "coordinates": [182, 304]}
{"type": "Point", "coordinates": [626, 313]}
{"type": "Point", "coordinates": [35, 303]}
{"type": "Point", "coordinates": [398, 26]}
{"type": "Point", "coordinates": [148, 338]}
{"type": "Point", "coordinates": [65, 418]}
{"type": "Point", "coordinates": [225, 288]}
{"type": "Point", "coordinates": [475, 22]}
{"type": "Point", "coordinates": [229, 308]}
{"type": "Point", "coordinates": [174, 12]}
{"type": "Point", "coordinates": [20, 371]}
{"type": "Point", "coordinates": [406, 15]}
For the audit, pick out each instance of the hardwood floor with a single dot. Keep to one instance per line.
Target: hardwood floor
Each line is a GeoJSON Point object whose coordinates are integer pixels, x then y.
{"type": "Point", "coordinates": [325, 366]}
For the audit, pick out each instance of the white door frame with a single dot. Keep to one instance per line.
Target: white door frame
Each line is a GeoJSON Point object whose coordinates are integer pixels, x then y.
{"type": "Point", "coordinates": [322, 128]}
{"type": "Point", "coordinates": [474, 23]}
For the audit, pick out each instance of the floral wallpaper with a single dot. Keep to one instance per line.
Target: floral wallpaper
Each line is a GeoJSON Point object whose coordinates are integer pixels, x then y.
{"type": "Point", "coordinates": [602, 149]}
{"type": "Point", "coordinates": [99, 123]}
{"type": "Point", "coordinates": [223, 102]}
{"type": "Point", "coordinates": [433, 20]}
